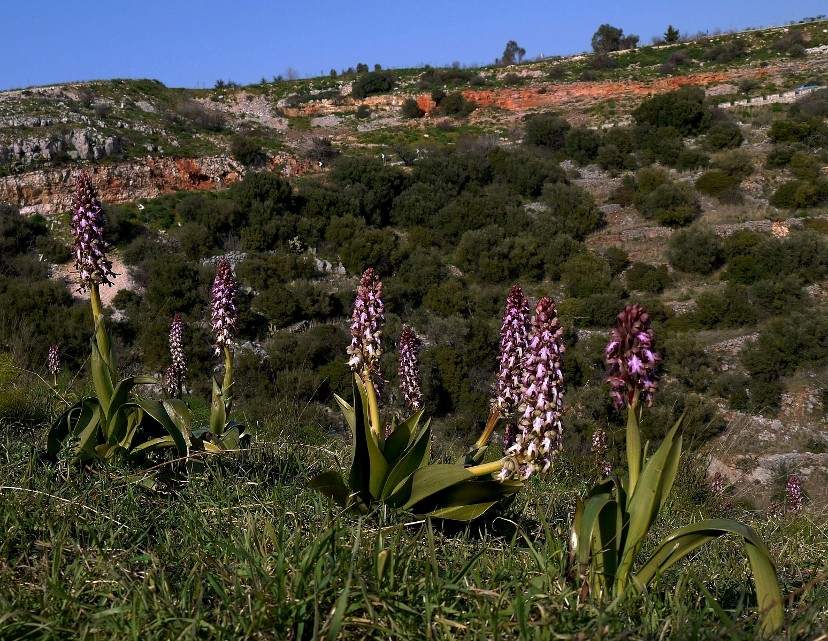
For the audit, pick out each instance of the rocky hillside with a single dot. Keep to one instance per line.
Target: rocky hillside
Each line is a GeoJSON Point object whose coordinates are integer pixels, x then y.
{"type": "Point", "coordinates": [760, 185]}
{"type": "Point", "coordinates": [129, 125]}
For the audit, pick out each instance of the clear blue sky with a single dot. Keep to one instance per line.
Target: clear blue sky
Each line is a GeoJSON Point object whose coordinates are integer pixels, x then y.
{"type": "Point", "coordinates": [193, 43]}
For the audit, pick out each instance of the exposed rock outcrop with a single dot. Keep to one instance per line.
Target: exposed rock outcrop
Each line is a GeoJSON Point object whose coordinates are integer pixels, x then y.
{"type": "Point", "coordinates": [50, 191]}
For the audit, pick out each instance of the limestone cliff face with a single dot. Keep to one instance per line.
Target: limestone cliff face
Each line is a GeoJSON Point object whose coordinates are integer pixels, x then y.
{"type": "Point", "coordinates": [50, 190]}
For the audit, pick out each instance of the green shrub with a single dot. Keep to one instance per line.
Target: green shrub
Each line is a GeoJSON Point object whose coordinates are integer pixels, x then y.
{"type": "Point", "coordinates": [372, 83]}
{"type": "Point", "coordinates": [617, 259]}
{"type": "Point", "coordinates": [524, 170]}
{"type": "Point", "coordinates": [449, 298]}
{"type": "Point", "coordinates": [735, 162]}
{"type": "Point", "coordinates": [683, 109]}
{"type": "Point", "coordinates": [572, 210]}
{"type": "Point", "coordinates": [411, 109]}
{"type": "Point", "coordinates": [15, 234]}
{"type": "Point", "coordinates": [696, 250]}
{"type": "Point", "coordinates": [684, 359]}
{"type": "Point", "coordinates": [724, 135]}
{"type": "Point", "coordinates": [546, 130]}
{"type": "Point", "coordinates": [730, 308]}
{"type": "Point", "coordinates": [672, 204]}
{"type": "Point", "coordinates": [585, 275]}
{"type": "Point", "coordinates": [716, 183]}
{"type": "Point", "coordinates": [581, 144]}
{"type": "Point", "coordinates": [780, 154]}
{"type": "Point", "coordinates": [784, 345]}
{"type": "Point", "coordinates": [454, 104]}
{"type": "Point", "coordinates": [246, 150]}
{"type": "Point", "coordinates": [801, 194]}
{"type": "Point", "coordinates": [647, 278]}
{"type": "Point", "coordinates": [726, 52]}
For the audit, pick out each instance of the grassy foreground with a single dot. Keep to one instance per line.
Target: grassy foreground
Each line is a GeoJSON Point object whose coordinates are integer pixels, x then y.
{"type": "Point", "coordinates": [242, 550]}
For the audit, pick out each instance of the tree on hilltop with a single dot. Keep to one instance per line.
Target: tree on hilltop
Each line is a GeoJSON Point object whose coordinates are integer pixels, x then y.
{"type": "Point", "coordinates": [608, 38]}
{"type": "Point", "coordinates": [671, 36]}
{"type": "Point", "coordinates": [511, 52]}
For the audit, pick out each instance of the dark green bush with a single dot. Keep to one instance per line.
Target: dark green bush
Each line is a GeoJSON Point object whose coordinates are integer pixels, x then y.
{"type": "Point", "coordinates": [546, 130]}
{"type": "Point", "coordinates": [801, 194]}
{"type": "Point", "coordinates": [736, 163]}
{"type": "Point", "coordinates": [455, 104]}
{"type": "Point", "coordinates": [524, 170]}
{"type": "Point", "coordinates": [411, 109]}
{"type": "Point", "coordinates": [724, 135]}
{"type": "Point", "coordinates": [695, 249]}
{"type": "Point", "coordinates": [585, 275]}
{"type": "Point", "coordinates": [572, 210]}
{"type": "Point", "coordinates": [617, 259]}
{"type": "Point", "coordinates": [716, 183]}
{"type": "Point", "coordinates": [581, 144]}
{"type": "Point", "coordinates": [683, 109]}
{"type": "Point", "coordinates": [647, 278]}
{"type": "Point", "coordinates": [372, 83]}
{"type": "Point", "coordinates": [671, 204]}
{"type": "Point", "coordinates": [246, 150]}
{"type": "Point", "coordinates": [782, 346]}
{"type": "Point", "coordinates": [684, 359]}
{"type": "Point", "coordinates": [726, 52]}
{"type": "Point", "coordinates": [730, 308]}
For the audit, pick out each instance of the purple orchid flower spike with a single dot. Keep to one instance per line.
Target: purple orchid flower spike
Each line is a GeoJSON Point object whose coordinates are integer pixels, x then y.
{"type": "Point", "coordinates": [88, 242]}
{"type": "Point", "coordinates": [224, 318]}
{"type": "Point", "coordinates": [631, 358]}
{"type": "Point", "coordinates": [409, 371]}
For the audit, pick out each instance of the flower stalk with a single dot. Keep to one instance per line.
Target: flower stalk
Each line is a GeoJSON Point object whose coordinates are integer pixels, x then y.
{"type": "Point", "coordinates": [224, 319]}
{"type": "Point", "coordinates": [539, 439]}
{"type": "Point", "coordinates": [365, 350]}
{"type": "Point", "coordinates": [54, 362]}
{"type": "Point", "coordinates": [514, 340]}
{"type": "Point", "coordinates": [631, 358]}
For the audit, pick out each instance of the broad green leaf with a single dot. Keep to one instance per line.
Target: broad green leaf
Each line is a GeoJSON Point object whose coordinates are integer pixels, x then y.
{"type": "Point", "coordinates": [431, 479]}
{"type": "Point", "coordinates": [135, 418]}
{"type": "Point", "coordinates": [218, 410]}
{"type": "Point", "coordinates": [116, 420]}
{"type": "Point", "coordinates": [685, 540]}
{"type": "Point", "coordinates": [414, 458]}
{"type": "Point", "coordinates": [649, 494]}
{"type": "Point", "coordinates": [64, 425]}
{"type": "Point", "coordinates": [157, 412]}
{"type": "Point", "coordinates": [369, 468]}
{"type": "Point", "coordinates": [462, 512]}
{"type": "Point", "coordinates": [401, 437]}
{"type": "Point", "coordinates": [179, 414]}
{"type": "Point", "coordinates": [347, 411]}
{"type": "Point", "coordinates": [232, 437]}
{"type": "Point", "coordinates": [462, 492]}
{"type": "Point", "coordinates": [109, 452]}
{"type": "Point", "coordinates": [87, 429]}
{"type": "Point", "coordinates": [474, 456]}
{"type": "Point", "coordinates": [153, 444]}
{"type": "Point", "coordinates": [102, 378]}
{"type": "Point", "coordinates": [333, 485]}
{"type": "Point", "coordinates": [588, 520]}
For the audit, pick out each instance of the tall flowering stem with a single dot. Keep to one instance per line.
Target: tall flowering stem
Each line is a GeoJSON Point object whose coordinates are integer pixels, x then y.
{"type": "Point", "coordinates": [224, 316]}
{"type": "Point", "coordinates": [793, 494]}
{"type": "Point", "coordinates": [54, 361]}
{"type": "Point", "coordinates": [89, 247]}
{"type": "Point", "coordinates": [539, 438]}
{"type": "Point", "coordinates": [631, 358]}
{"type": "Point", "coordinates": [177, 372]}
{"type": "Point", "coordinates": [409, 371]}
{"type": "Point", "coordinates": [365, 350]}
{"type": "Point", "coordinates": [514, 340]}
